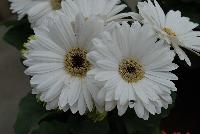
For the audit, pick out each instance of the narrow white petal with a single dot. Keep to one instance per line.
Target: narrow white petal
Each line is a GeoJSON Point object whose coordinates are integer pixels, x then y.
{"type": "Point", "coordinates": [81, 104]}
{"type": "Point", "coordinates": [54, 91]}
{"type": "Point", "coordinates": [87, 97]}
{"type": "Point", "coordinates": [110, 105]}
{"type": "Point", "coordinates": [74, 93]}
{"type": "Point", "coordinates": [122, 109]}
{"type": "Point", "coordinates": [63, 99]}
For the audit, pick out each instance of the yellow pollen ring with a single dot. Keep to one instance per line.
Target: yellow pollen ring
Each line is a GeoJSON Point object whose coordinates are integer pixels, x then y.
{"type": "Point", "coordinates": [130, 70]}
{"type": "Point", "coordinates": [169, 31]}
{"type": "Point", "coordinates": [56, 4]}
{"type": "Point", "coordinates": [76, 63]}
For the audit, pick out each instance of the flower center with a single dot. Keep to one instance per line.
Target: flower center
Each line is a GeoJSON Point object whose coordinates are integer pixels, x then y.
{"type": "Point", "coordinates": [169, 31]}
{"type": "Point", "coordinates": [76, 63]}
{"type": "Point", "coordinates": [56, 4]}
{"type": "Point", "coordinates": [130, 70]}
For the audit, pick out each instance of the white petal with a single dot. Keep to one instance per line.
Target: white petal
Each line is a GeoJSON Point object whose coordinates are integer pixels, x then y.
{"type": "Point", "coordinates": [87, 97]}
{"type": "Point", "coordinates": [182, 55]}
{"type": "Point", "coordinates": [63, 99]}
{"type": "Point", "coordinates": [110, 105]}
{"type": "Point", "coordinates": [107, 65]}
{"type": "Point", "coordinates": [112, 83]}
{"type": "Point", "coordinates": [54, 91]}
{"type": "Point", "coordinates": [74, 108]}
{"type": "Point", "coordinates": [105, 75]}
{"type": "Point", "coordinates": [81, 104]}
{"type": "Point", "coordinates": [52, 105]}
{"type": "Point", "coordinates": [140, 93]}
{"type": "Point", "coordinates": [165, 82]}
{"type": "Point", "coordinates": [74, 93]}
{"type": "Point", "coordinates": [62, 33]}
{"type": "Point", "coordinates": [122, 109]}
{"type": "Point", "coordinates": [88, 31]}
{"type": "Point", "coordinates": [46, 56]}
{"type": "Point", "coordinates": [162, 75]}
{"type": "Point", "coordinates": [44, 68]}
{"type": "Point", "coordinates": [139, 109]}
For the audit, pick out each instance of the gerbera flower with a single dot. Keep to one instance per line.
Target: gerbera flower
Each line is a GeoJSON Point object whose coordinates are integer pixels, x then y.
{"type": "Point", "coordinates": [57, 61]}
{"type": "Point", "coordinates": [172, 27]}
{"type": "Point", "coordinates": [107, 10]}
{"type": "Point", "coordinates": [134, 69]}
{"type": "Point", "coordinates": [36, 10]}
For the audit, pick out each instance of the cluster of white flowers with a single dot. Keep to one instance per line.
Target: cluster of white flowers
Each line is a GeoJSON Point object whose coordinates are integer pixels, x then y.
{"type": "Point", "coordinates": [85, 55]}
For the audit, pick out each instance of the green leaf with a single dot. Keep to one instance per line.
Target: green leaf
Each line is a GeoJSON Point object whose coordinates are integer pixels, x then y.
{"type": "Point", "coordinates": [33, 117]}
{"type": "Point", "coordinates": [52, 128]}
{"type": "Point", "coordinates": [116, 123]}
{"type": "Point", "coordinates": [86, 126]}
{"type": "Point", "coordinates": [152, 130]}
{"type": "Point", "coordinates": [18, 34]}
{"type": "Point", "coordinates": [29, 115]}
{"type": "Point", "coordinates": [74, 124]}
{"type": "Point", "coordinates": [64, 123]}
{"type": "Point", "coordinates": [135, 125]}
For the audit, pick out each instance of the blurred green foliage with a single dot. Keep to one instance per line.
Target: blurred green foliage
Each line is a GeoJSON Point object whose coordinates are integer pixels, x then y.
{"type": "Point", "coordinates": [18, 32]}
{"type": "Point", "coordinates": [33, 118]}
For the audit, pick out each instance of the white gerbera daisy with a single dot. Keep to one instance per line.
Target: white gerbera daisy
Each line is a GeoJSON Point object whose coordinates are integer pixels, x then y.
{"type": "Point", "coordinates": [36, 10]}
{"type": "Point", "coordinates": [135, 70]}
{"type": "Point", "coordinates": [172, 27]}
{"type": "Point", "coordinates": [57, 61]}
{"type": "Point", "coordinates": [107, 10]}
